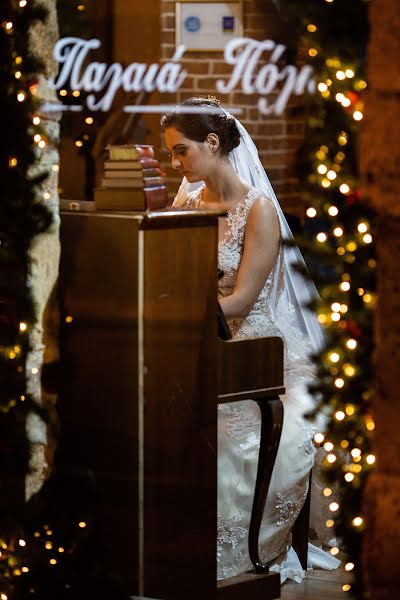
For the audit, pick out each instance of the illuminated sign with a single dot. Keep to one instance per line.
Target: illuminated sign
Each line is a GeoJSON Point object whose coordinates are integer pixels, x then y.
{"type": "Point", "coordinates": [101, 81]}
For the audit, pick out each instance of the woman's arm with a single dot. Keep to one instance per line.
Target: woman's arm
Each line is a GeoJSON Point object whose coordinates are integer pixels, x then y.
{"type": "Point", "coordinates": [261, 244]}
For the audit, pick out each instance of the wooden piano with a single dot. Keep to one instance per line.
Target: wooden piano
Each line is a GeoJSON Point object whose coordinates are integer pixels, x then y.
{"type": "Point", "coordinates": [143, 372]}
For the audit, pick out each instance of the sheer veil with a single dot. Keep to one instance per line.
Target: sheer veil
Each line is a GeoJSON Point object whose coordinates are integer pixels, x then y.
{"type": "Point", "coordinates": [296, 289]}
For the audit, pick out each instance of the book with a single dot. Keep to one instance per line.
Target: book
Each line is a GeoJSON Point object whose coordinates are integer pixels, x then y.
{"type": "Point", "coordinates": [131, 199]}
{"type": "Point", "coordinates": [130, 152]}
{"type": "Point", "coordinates": [133, 182]}
{"type": "Point", "coordinates": [141, 163]}
{"type": "Point", "coordinates": [134, 174]}
{"type": "Point", "coordinates": [131, 174]}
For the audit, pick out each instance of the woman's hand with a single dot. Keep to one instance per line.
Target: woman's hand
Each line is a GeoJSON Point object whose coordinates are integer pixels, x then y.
{"type": "Point", "coordinates": [261, 245]}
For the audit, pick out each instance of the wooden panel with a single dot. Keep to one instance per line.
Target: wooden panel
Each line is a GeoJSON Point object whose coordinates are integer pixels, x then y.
{"type": "Point", "coordinates": [180, 341]}
{"type": "Point", "coordinates": [250, 364]}
{"type": "Point", "coordinates": [98, 398]}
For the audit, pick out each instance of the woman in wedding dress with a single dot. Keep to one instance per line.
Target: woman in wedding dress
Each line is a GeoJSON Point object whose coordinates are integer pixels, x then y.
{"type": "Point", "coordinates": [260, 295]}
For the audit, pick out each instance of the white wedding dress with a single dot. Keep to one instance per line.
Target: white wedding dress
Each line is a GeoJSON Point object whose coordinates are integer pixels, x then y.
{"type": "Point", "coordinates": [239, 429]}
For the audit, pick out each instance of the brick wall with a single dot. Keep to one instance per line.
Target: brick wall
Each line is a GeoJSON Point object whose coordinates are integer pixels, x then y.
{"type": "Point", "coordinates": [277, 137]}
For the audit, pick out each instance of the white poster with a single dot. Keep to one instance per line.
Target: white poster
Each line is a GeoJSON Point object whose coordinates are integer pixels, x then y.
{"type": "Point", "coordinates": [203, 26]}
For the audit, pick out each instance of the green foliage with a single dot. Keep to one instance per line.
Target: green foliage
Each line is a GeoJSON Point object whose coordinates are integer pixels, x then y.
{"type": "Point", "coordinates": [338, 241]}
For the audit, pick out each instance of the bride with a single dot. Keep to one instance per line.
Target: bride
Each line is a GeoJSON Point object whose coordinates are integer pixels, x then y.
{"type": "Point", "coordinates": [261, 295]}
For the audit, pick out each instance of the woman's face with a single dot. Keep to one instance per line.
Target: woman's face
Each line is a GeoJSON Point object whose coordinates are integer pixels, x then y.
{"type": "Point", "coordinates": [194, 160]}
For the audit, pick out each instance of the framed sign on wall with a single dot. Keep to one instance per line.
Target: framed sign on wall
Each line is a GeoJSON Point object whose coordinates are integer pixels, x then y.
{"type": "Point", "coordinates": [205, 25]}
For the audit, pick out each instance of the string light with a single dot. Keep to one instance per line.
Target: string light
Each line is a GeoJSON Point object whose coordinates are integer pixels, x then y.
{"type": "Point", "coordinates": [311, 28]}
{"type": "Point", "coordinates": [311, 212]}
{"type": "Point", "coordinates": [333, 211]}
{"type": "Point", "coordinates": [319, 438]}
{"type": "Point", "coordinates": [357, 115]}
{"type": "Point", "coordinates": [357, 521]}
{"type": "Point", "coordinates": [346, 587]}
{"type": "Point", "coordinates": [322, 237]}
{"type": "Point", "coordinates": [322, 169]}
{"type": "Point", "coordinates": [339, 415]}
{"type": "Point", "coordinates": [36, 120]}
{"type": "Point", "coordinates": [349, 477]}
{"type": "Point", "coordinates": [339, 382]}
{"type": "Point", "coordinates": [334, 551]}
{"type": "Point", "coordinates": [344, 188]}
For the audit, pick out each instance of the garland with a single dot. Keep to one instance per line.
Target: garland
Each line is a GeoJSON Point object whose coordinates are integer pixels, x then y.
{"type": "Point", "coordinates": [339, 246]}
{"type": "Point", "coordinates": [22, 217]}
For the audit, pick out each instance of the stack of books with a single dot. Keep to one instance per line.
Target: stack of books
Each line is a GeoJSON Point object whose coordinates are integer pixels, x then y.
{"type": "Point", "coordinates": [132, 180]}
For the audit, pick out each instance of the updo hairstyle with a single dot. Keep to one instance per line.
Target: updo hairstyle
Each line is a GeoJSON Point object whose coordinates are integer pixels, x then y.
{"type": "Point", "coordinates": [197, 126]}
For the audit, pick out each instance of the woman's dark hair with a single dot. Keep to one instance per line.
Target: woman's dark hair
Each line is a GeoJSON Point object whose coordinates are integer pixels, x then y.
{"type": "Point", "coordinates": [197, 126]}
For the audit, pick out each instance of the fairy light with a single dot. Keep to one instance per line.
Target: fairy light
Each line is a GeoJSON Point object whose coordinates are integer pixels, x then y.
{"type": "Point", "coordinates": [23, 3]}
{"type": "Point", "coordinates": [18, 75]}
{"type": "Point", "coordinates": [349, 73]}
{"type": "Point", "coordinates": [345, 286]}
{"type": "Point", "coordinates": [357, 521]}
{"type": "Point", "coordinates": [21, 96]}
{"type": "Point", "coordinates": [335, 317]}
{"type": "Point", "coordinates": [63, 92]}
{"type": "Point", "coordinates": [9, 25]}
{"type": "Point", "coordinates": [79, 143]}
{"type": "Point", "coordinates": [370, 459]}
{"type": "Point", "coordinates": [362, 227]}
{"type": "Point", "coordinates": [338, 231]}
{"type": "Point", "coordinates": [339, 382]}
{"type": "Point", "coordinates": [344, 308]}
{"type": "Point", "coordinates": [322, 169]}
{"type": "Point", "coordinates": [331, 458]}
{"type": "Point", "coordinates": [69, 319]}
{"type": "Point", "coordinates": [351, 246]}
{"type": "Point", "coordinates": [334, 506]}
{"type": "Point", "coordinates": [37, 138]}
{"type": "Point", "coordinates": [367, 238]}
{"type": "Point", "coordinates": [322, 87]}
{"type": "Point", "coordinates": [89, 120]}
{"type": "Point", "coordinates": [346, 102]}
{"type": "Point", "coordinates": [22, 543]}
{"type": "Point", "coordinates": [333, 211]}
{"type": "Point", "coordinates": [331, 175]}
{"type": "Point", "coordinates": [325, 183]}
{"type": "Point", "coordinates": [349, 477]}
{"type": "Point", "coordinates": [340, 75]}
{"type": "Point", "coordinates": [42, 144]}
{"type": "Point", "coordinates": [36, 120]}
{"type": "Point", "coordinates": [311, 28]}
{"type": "Point", "coordinates": [313, 52]}
{"type": "Point", "coordinates": [339, 97]}
{"type": "Point", "coordinates": [334, 551]}
{"type": "Point", "coordinates": [76, 93]}
{"type": "Point", "coordinates": [23, 327]}
{"type": "Point", "coordinates": [328, 446]}
{"type": "Point", "coordinates": [329, 523]}
{"type": "Point", "coordinates": [322, 237]}
{"type": "Point", "coordinates": [336, 308]}
{"type": "Point", "coordinates": [53, 561]}
{"type": "Point", "coordinates": [311, 212]}
{"type": "Point", "coordinates": [344, 188]}
{"type": "Point", "coordinates": [356, 452]}
{"type": "Point", "coordinates": [349, 370]}
{"type": "Point", "coordinates": [361, 84]}
{"type": "Point", "coordinates": [82, 524]}
{"type": "Point", "coordinates": [334, 357]}
{"type": "Point", "coordinates": [346, 587]}
{"type": "Point", "coordinates": [357, 115]}
{"type": "Point", "coordinates": [327, 492]}
{"type": "Point", "coordinates": [55, 168]}
{"type": "Point", "coordinates": [319, 438]}
{"type": "Point", "coordinates": [339, 415]}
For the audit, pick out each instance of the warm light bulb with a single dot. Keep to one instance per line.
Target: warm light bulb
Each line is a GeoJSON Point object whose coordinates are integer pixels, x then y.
{"type": "Point", "coordinates": [313, 52]}
{"type": "Point", "coordinates": [349, 477]}
{"type": "Point", "coordinates": [325, 183]}
{"type": "Point", "coordinates": [345, 286]}
{"type": "Point", "coordinates": [331, 458]}
{"type": "Point", "coordinates": [344, 188]}
{"type": "Point", "coordinates": [350, 410]}
{"type": "Point", "coordinates": [346, 102]}
{"type": "Point", "coordinates": [357, 521]}
{"type": "Point", "coordinates": [334, 551]}
{"type": "Point", "coordinates": [349, 73]}
{"type": "Point", "coordinates": [82, 524]}
{"type": "Point", "coordinates": [370, 459]}
{"type": "Point", "coordinates": [327, 492]}
{"type": "Point", "coordinates": [89, 120]}
{"type": "Point", "coordinates": [311, 28]}
{"type": "Point", "coordinates": [9, 25]}
{"type": "Point", "coordinates": [322, 87]}
{"type": "Point", "coordinates": [76, 93]}
{"type": "Point", "coordinates": [356, 452]}
{"type": "Point", "coordinates": [346, 587]}
{"type": "Point", "coordinates": [334, 357]}
{"type": "Point", "coordinates": [42, 144]}
{"type": "Point", "coordinates": [338, 231]}
{"type": "Point", "coordinates": [335, 317]}
{"type": "Point", "coordinates": [23, 326]}
{"type": "Point", "coordinates": [339, 382]}
{"type": "Point", "coordinates": [331, 175]}
{"type": "Point", "coordinates": [321, 237]}
{"type": "Point", "coordinates": [330, 523]}
{"type": "Point", "coordinates": [336, 308]}
{"type": "Point", "coordinates": [319, 438]}
{"type": "Point", "coordinates": [340, 415]}
{"type": "Point", "coordinates": [334, 506]}
{"type": "Point", "coordinates": [357, 115]}
{"type": "Point", "coordinates": [311, 212]}
{"type": "Point", "coordinates": [367, 238]}
{"type": "Point", "coordinates": [322, 169]}
{"type": "Point", "coordinates": [349, 370]}
{"type": "Point", "coordinates": [328, 446]}
{"type": "Point", "coordinates": [340, 75]}
{"type": "Point", "coordinates": [333, 211]}
{"type": "Point", "coordinates": [21, 96]}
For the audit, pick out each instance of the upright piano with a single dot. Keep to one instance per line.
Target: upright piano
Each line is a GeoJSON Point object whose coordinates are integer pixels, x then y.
{"type": "Point", "coordinates": [143, 373]}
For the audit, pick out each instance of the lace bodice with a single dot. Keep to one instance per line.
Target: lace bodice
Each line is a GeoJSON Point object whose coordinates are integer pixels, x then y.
{"type": "Point", "coordinates": [270, 314]}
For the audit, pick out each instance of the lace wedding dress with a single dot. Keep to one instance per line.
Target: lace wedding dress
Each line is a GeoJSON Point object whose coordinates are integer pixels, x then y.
{"type": "Point", "coordinates": [239, 429]}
